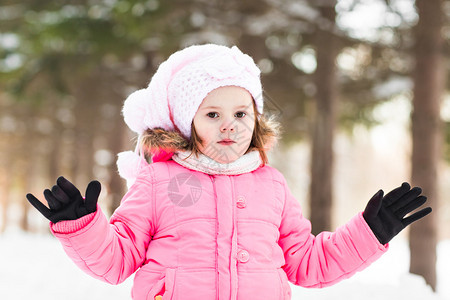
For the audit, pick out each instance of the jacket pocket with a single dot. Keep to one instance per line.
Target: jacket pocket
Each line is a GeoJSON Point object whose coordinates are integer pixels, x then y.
{"type": "Point", "coordinates": [285, 287]}
{"type": "Point", "coordinates": [158, 289]}
{"type": "Point", "coordinates": [169, 284]}
{"type": "Point", "coordinates": [164, 287]}
{"type": "Point", "coordinates": [149, 285]}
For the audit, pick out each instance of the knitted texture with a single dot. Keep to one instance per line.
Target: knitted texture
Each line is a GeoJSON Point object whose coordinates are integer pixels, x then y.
{"type": "Point", "coordinates": [244, 164]}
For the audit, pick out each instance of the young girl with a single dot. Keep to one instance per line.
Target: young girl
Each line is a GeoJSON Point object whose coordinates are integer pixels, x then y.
{"type": "Point", "coordinates": [205, 217]}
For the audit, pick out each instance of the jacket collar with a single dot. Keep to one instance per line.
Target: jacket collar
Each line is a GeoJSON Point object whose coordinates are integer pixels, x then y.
{"type": "Point", "coordinates": [244, 164]}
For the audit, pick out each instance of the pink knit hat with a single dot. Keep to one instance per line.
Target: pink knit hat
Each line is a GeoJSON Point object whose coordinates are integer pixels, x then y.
{"type": "Point", "coordinates": [178, 88]}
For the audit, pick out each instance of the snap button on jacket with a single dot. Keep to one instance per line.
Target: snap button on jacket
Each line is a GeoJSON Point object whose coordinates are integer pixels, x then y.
{"type": "Point", "coordinates": [190, 235]}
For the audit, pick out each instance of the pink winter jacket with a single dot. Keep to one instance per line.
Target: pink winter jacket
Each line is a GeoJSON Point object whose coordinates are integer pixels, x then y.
{"type": "Point", "coordinates": [191, 235]}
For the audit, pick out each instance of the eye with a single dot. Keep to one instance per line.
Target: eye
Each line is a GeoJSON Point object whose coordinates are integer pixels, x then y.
{"type": "Point", "coordinates": [212, 115]}
{"type": "Point", "coordinates": [240, 114]}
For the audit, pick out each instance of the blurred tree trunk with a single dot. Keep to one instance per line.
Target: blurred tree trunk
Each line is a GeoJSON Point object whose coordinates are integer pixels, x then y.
{"type": "Point", "coordinates": [116, 183]}
{"type": "Point", "coordinates": [5, 189]}
{"type": "Point", "coordinates": [5, 168]}
{"type": "Point", "coordinates": [86, 112]}
{"type": "Point", "coordinates": [25, 185]}
{"type": "Point", "coordinates": [426, 133]}
{"type": "Point", "coordinates": [324, 122]}
{"type": "Point", "coordinates": [26, 156]}
{"type": "Point", "coordinates": [55, 144]}
{"type": "Point", "coordinates": [115, 141]}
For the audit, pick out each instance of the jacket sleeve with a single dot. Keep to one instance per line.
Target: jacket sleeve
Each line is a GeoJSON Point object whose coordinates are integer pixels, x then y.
{"type": "Point", "coordinates": [325, 259]}
{"type": "Point", "coordinates": [111, 251]}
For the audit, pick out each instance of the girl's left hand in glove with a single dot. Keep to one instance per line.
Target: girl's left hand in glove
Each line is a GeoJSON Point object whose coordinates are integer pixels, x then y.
{"type": "Point", "coordinates": [386, 215]}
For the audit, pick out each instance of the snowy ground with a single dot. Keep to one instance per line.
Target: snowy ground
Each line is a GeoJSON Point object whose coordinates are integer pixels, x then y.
{"type": "Point", "coordinates": [35, 267]}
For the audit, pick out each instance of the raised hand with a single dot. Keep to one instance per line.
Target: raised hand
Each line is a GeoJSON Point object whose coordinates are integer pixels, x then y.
{"type": "Point", "coordinates": [386, 215]}
{"type": "Point", "coordinates": [65, 201]}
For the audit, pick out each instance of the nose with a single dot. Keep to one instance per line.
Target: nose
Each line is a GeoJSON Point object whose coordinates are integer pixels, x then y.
{"type": "Point", "coordinates": [228, 126]}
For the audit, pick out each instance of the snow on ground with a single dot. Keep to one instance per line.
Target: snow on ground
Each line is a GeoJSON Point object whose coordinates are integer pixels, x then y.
{"type": "Point", "coordinates": [34, 266]}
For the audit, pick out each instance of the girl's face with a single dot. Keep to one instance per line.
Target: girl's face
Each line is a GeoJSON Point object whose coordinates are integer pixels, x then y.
{"type": "Point", "coordinates": [224, 122]}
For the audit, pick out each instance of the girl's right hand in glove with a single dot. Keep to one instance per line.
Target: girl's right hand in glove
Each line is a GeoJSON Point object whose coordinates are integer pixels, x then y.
{"type": "Point", "coordinates": [65, 201]}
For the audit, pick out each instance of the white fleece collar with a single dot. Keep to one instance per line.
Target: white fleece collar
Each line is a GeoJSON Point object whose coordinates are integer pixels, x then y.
{"type": "Point", "coordinates": [244, 164]}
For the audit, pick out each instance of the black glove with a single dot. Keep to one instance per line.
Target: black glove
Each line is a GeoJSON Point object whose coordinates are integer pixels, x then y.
{"type": "Point", "coordinates": [65, 201]}
{"type": "Point", "coordinates": [385, 215]}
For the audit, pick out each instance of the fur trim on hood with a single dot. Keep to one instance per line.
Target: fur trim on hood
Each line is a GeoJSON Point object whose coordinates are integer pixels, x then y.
{"type": "Point", "coordinates": [160, 139]}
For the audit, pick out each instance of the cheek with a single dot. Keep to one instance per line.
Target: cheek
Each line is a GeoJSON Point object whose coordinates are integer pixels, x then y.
{"type": "Point", "coordinates": [248, 128]}
{"type": "Point", "coordinates": [203, 130]}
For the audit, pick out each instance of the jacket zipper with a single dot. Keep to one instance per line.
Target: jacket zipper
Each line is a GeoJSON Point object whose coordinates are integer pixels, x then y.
{"type": "Point", "coordinates": [217, 232]}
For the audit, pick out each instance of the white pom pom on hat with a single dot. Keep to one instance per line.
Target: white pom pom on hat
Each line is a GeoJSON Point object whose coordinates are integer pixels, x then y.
{"type": "Point", "coordinates": [128, 163]}
{"type": "Point", "coordinates": [134, 110]}
{"type": "Point", "coordinates": [181, 83]}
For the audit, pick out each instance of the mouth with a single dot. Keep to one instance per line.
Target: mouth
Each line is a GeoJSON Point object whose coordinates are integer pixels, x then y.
{"type": "Point", "coordinates": [226, 142]}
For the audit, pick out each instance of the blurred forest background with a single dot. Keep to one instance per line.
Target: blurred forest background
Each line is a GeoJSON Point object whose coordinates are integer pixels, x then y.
{"type": "Point", "coordinates": [328, 67]}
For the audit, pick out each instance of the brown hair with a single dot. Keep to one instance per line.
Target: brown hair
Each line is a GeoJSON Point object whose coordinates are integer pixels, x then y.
{"type": "Point", "coordinates": [265, 136]}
